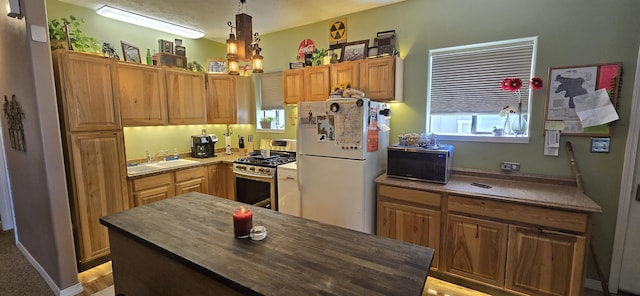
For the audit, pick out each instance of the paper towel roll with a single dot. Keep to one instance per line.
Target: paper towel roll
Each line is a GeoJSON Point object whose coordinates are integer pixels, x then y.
{"type": "Point", "coordinates": [227, 143]}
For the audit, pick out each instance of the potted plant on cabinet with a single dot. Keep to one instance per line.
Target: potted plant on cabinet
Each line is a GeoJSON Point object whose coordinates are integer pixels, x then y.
{"type": "Point", "coordinates": [64, 30]}
{"type": "Point", "coordinates": [265, 122]}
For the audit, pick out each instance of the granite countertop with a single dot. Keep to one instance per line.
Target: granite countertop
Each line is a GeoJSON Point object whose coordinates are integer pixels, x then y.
{"type": "Point", "coordinates": [550, 195]}
{"type": "Point", "coordinates": [219, 158]}
{"type": "Point", "coordinates": [298, 256]}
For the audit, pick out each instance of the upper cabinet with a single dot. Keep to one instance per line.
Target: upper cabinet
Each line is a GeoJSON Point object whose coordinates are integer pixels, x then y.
{"type": "Point", "coordinates": [381, 78]}
{"type": "Point", "coordinates": [88, 86]}
{"type": "Point", "coordinates": [143, 99]}
{"type": "Point", "coordinates": [229, 99]}
{"type": "Point", "coordinates": [346, 72]}
{"type": "Point", "coordinates": [186, 96]}
{"type": "Point", "coordinates": [293, 86]}
{"type": "Point", "coordinates": [316, 83]}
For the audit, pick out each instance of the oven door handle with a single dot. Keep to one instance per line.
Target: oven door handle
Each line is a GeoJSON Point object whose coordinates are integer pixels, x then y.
{"type": "Point", "coordinates": [243, 174]}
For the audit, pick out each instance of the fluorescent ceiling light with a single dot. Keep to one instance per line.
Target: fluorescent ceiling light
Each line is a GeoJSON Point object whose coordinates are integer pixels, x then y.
{"type": "Point", "coordinates": [140, 20]}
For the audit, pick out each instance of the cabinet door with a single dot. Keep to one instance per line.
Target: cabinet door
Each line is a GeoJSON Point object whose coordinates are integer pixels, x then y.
{"type": "Point", "coordinates": [153, 188]}
{"type": "Point", "coordinates": [346, 72]}
{"type": "Point", "coordinates": [217, 180]}
{"type": "Point", "coordinates": [221, 99]}
{"type": "Point", "coordinates": [142, 91]}
{"type": "Point", "coordinates": [316, 83]}
{"type": "Point", "coordinates": [293, 85]}
{"type": "Point", "coordinates": [410, 224]}
{"type": "Point", "coordinates": [186, 97]}
{"type": "Point", "coordinates": [88, 86]}
{"type": "Point", "coordinates": [544, 262]}
{"type": "Point", "coordinates": [98, 173]}
{"type": "Point", "coordinates": [476, 249]}
{"type": "Point", "coordinates": [378, 79]}
{"type": "Point", "coordinates": [191, 180]}
{"type": "Point", "coordinates": [231, 181]}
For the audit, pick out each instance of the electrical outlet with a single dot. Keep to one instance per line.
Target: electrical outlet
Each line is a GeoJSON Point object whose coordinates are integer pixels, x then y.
{"type": "Point", "coordinates": [510, 166]}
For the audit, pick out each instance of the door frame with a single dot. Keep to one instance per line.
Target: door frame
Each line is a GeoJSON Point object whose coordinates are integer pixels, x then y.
{"type": "Point", "coordinates": [627, 190]}
{"type": "Point", "coordinates": [6, 200]}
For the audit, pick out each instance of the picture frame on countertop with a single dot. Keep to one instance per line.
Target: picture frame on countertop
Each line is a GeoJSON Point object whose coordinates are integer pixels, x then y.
{"type": "Point", "coordinates": [216, 66]}
{"type": "Point", "coordinates": [130, 52]}
{"type": "Point", "coordinates": [357, 50]}
{"type": "Point", "coordinates": [165, 46]}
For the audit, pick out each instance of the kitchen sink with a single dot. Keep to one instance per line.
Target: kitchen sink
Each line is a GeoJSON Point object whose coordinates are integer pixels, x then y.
{"type": "Point", "coordinates": [159, 166]}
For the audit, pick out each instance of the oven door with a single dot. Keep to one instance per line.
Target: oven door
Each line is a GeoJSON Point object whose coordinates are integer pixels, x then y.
{"type": "Point", "coordinates": [256, 190]}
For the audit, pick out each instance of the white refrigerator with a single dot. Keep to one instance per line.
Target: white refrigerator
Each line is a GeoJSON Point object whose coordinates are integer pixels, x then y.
{"type": "Point", "coordinates": [341, 150]}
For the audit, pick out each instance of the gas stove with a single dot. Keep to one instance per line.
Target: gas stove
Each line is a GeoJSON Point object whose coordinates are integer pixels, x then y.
{"type": "Point", "coordinates": [275, 159]}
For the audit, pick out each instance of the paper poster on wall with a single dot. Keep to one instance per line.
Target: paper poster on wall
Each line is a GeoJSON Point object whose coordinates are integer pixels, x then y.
{"type": "Point", "coordinates": [308, 114]}
{"type": "Point", "coordinates": [568, 84]}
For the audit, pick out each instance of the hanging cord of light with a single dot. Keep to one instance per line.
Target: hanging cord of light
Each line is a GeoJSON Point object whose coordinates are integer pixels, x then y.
{"type": "Point", "coordinates": [243, 5]}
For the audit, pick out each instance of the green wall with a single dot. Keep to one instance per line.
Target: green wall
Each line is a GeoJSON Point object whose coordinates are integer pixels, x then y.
{"type": "Point", "coordinates": [571, 32]}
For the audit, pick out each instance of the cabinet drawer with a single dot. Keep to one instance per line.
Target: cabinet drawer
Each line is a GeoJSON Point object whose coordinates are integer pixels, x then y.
{"type": "Point", "coordinates": [152, 181]}
{"type": "Point", "coordinates": [188, 174]}
{"type": "Point", "coordinates": [431, 199]}
{"type": "Point", "coordinates": [571, 221]}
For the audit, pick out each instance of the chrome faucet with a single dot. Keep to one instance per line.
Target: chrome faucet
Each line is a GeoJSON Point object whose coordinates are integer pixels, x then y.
{"type": "Point", "coordinates": [151, 158]}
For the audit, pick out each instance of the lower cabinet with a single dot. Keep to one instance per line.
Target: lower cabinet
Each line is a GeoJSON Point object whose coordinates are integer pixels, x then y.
{"type": "Point", "coordinates": [512, 247]}
{"type": "Point", "coordinates": [158, 187]}
{"type": "Point", "coordinates": [153, 188]}
{"type": "Point", "coordinates": [221, 180]}
{"type": "Point", "coordinates": [476, 249]}
{"type": "Point", "coordinates": [402, 215]}
{"type": "Point", "coordinates": [544, 262]}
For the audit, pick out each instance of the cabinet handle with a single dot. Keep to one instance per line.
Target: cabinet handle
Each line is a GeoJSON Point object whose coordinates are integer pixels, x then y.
{"type": "Point", "coordinates": [477, 230]}
{"type": "Point", "coordinates": [290, 178]}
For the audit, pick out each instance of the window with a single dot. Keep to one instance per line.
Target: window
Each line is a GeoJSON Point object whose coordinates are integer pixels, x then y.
{"type": "Point", "coordinates": [270, 116]}
{"type": "Point", "coordinates": [464, 97]}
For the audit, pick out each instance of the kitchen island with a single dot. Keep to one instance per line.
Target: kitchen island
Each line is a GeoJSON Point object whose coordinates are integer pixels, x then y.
{"type": "Point", "coordinates": [185, 246]}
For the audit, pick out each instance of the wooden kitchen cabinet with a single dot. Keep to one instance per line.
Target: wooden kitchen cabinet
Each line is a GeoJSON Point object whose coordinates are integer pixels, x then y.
{"type": "Point", "coordinates": [346, 72]}
{"type": "Point", "coordinates": [411, 216]}
{"type": "Point", "coordinates": [142, 92]}
{"type": "Point", "coordinates": [231, 181]}
{"type": "Point", "coordinates": [381, 78]}
{"type": "Point", "coordinates": [229, 99]}
{"type": "Point", "coordinates": [98, 176]}
{"type": "Point", "coordinates": [293, 86]}
{"type": "Point", "coordinates": [476, 249]}
{"type": "Point", "coordinates": [217, 180]}
{"type": "Point", "coordinates": [192, 180]}
{"type": "Point", "coordinates": [316, 83]}
{"type": "Point", "coordinates": [186, 95]}
{"type": "Point", "coordinates": [542, 262]}
{"type": "Point", "coordinates": [87, 87]}
{"type": "Point", "coordinates": [306, 84]}
{"type": "Point", "coordinates": [153, 188]}
{"type": "Point", "coordinates": [508, 237]}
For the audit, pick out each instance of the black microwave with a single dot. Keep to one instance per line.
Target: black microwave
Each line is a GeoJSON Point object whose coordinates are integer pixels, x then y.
{"type": "Point", "coordinates": [430, 164]}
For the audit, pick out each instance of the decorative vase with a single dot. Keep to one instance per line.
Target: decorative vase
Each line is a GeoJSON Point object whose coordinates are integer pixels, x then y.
{"type": "Point", "coordinates": [519, 123]}
{"type": "Point", "coordinates": [506, 129]}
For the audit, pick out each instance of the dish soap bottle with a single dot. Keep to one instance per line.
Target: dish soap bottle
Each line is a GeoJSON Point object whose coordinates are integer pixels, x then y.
{"type": "Point", "coordinates": [176, 155]}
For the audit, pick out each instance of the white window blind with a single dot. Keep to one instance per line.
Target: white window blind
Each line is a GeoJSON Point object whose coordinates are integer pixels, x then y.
{"type": "Point", "coordinates": [467, 79]}
{"type": "Point", "coordinates": [271, 92]}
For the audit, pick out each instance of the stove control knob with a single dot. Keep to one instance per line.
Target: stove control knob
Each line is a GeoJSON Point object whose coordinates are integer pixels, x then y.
{"type": "Point", "coordinates": [252, 168]}
{"type": "Point", "coordinates": [268, 171]}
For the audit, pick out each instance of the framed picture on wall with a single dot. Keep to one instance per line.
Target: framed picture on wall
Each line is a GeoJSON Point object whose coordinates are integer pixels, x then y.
{"type": "Point", "coordinates": [130, 52]}
{"type": "Point", "coordinates": [217, 66]}
{"type": "Point", "coordinates": [357, 50]}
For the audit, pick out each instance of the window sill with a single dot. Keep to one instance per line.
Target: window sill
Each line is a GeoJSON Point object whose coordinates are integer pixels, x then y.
{"type": "Point", "coordinates": [484, 138]}
{"type": "Point", "coordinates": [270, 131]}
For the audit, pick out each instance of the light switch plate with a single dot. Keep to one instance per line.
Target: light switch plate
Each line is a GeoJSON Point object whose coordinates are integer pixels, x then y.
{"type": "Point", "coordinates": [600, 145]}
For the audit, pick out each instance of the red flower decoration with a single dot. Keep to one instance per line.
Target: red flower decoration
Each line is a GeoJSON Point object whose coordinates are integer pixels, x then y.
{"type": "Point", "coordinates": [506, 83]}
{"type": "Point", "coordinates": [536, 83]}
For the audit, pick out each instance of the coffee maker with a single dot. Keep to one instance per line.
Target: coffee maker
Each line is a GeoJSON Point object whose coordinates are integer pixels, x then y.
{"type": "Point", "coordinates": [203, 146]}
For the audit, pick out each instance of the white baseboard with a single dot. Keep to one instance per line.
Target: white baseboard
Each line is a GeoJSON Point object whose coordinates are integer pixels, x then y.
{"type": "Point", "coordinates": [70, 291]}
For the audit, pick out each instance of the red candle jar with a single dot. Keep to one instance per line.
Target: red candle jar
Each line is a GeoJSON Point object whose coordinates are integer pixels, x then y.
{"type": "Point", "coordinates": [242, 222]}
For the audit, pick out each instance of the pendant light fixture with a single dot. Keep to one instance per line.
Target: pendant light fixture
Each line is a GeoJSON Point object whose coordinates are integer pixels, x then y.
{"type": "Point", "coordinates": [243, 46]}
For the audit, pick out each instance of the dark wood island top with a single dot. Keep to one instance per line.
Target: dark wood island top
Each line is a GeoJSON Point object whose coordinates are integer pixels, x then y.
{"type": "Point", "coordinates": [298, 256]}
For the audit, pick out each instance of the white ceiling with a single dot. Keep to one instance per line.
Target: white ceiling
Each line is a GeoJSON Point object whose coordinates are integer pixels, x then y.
{"type": "Point", "coordinates": [211, 16]}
